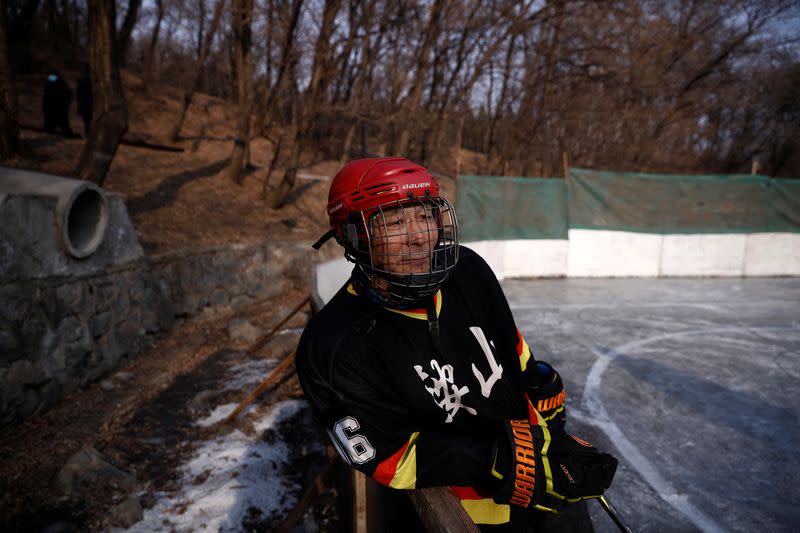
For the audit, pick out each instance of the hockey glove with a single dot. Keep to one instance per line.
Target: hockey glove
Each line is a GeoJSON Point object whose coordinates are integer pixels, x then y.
{"type": "Point", "coordinates": [546, 396]}
{"type": "Point", "coordinates": [539, 469]}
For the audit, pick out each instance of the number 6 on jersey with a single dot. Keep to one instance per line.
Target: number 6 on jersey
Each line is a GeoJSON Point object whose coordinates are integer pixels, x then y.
{"type": "Point", "coordinates": [353, 448]}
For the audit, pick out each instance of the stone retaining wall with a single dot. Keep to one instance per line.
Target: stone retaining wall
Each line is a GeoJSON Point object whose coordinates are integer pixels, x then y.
{"type": "Point", "coordinates": [58, 334]}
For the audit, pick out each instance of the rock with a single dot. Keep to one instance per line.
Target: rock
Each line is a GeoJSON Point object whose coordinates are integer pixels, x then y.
{"type": "Point", "coordinates": [121, 306]}
{"type": "Point", "coordinates": [107, 385]}
{"type": "Point", "coordinates": [69, 329]}
{"type": "Point", "coordinates": [72, 295]}
{"type": "Point", "coordinates": [165, 313]}
{"type": "Point", "coordinates": [128, 335]}
{"type": "Point", "coordinates": [105, 293]}
{"type": "Point", "coordinates": [54, 363]}
{"type": "Point", "coordinates": [108, 353]}
{"type": "Point", "coordinates": [281, 344]}
{"type": "Point", "coordinates": [240, 329]}
{"type": "Point", "coordinates": [49, 394]}
{"type": "Point", "coordinates": [127, 513]}
{"type": "Point", "coordinates": [60, 527]}
{"type": "Point", "coordinates": [202, 402]}
{"type": "Point", "coordinates": [218, 298]}
{"type": "Point", "coordinates": [99, 323]}
{"type": "Point", "coordinates": [11, 396]}
{"type": "Point", "coordinates": [33, 329]}
{"type": "Point", "coordinates": [10, 343]}
{"type": "Point", "coordinates": [87, 469]}
{"type": "Point", "coordinates": [29, 403]}
{"type": "Point", "coordinates": [122, 375]}
{"type": "Point", "coordinates": [26, 373]}
{"type": "Point", "coordinates": [148, 501]}
{"type": "Point", "coordinates": [14, 303]}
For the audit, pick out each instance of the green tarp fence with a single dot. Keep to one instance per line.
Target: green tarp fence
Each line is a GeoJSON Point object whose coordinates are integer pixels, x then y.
{"type": "Point", "coordinates": [657, 203]}
{"type": "Point", "coordinates": [498, 208]}
{"type": "Point", "coordinates": [501, 208]}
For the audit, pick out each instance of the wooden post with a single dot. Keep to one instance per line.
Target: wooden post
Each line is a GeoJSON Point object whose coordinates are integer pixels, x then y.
{"type": "Point", "coordinates": [565, 161]}
{"type": "Point", "coordinates": [754, 167]}
{"type": "Point", "coordinates": [359, 502]}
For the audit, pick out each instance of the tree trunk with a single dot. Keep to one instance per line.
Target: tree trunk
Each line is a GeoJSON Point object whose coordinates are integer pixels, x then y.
{"type": "Point", "coordinates": [281, 194]}
{"type": "Point", "coordinates": [243, 42]}
{"type": "Point", "coordinates": [20, 24]}
{"type": "Point", "coordinates": [357, 97]}
{"type": "Point", "coordinates": [9, 129]}
{"type": "Point", "coordinates": [275, 156]}
{"type": "Point", "coordinates": [320, 78]}
{"type": "Point", "coordinates": [286, 60]}
{"type": "Point", "coordinates": [110, 112]}
{"type": "Point", "coordinates": [423, 61]}
{"type": "Point", "coordinates": [59, 39]}
{"type": "Point", "coordinates": [462, 118]}
{"type": "Point", "coordinates": [149, 62]}
{"type": "Point", "coordinates": [492, 164]}
{"type": "Point", "coordinates": [124, 35]}
{"type": "Point", "coordinates": [198, 71]}
{"type": "Point", "coordinates": [348, 143]}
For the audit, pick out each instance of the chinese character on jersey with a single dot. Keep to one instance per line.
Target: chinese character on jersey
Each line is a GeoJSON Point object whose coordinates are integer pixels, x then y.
{"type": "Point", "coordinates": [445, 392]}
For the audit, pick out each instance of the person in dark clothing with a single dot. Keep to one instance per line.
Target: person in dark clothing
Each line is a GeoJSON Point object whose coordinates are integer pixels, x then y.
{"type": "Point", "coordinates": [84, 98]}
{"type": "Point", "coordinates": [419, 374]}
{"type": "Point", "coordinates": [55, 104]}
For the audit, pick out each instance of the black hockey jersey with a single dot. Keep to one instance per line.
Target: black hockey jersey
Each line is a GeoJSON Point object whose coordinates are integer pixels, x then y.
{"type": "Point", "coordinates": [401, 411]}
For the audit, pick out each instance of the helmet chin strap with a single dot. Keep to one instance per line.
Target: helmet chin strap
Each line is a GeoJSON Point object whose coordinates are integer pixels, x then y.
{"type": "Point", "coordinates": [433, 326]}
{"type": "Point", "coordinates": [378, 295]}
{"type": "Point", "coordinates": [322, 240]}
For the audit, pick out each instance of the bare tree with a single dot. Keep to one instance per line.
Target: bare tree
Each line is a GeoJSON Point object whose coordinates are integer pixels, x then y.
{"type": "Point", "coordinates": [20, 19]}
{"type": "Point", "coordinates": [243, 56]}
{"type": "Point", "coordinates": [320, 78]}
{"type": "Point", "coordinates": [423, 59]}
{"type": "Point", "coordinates": [110, 112]}
{"type": "Point", "coordinates": [9, 130]}
{"type": "Point", "coordinates": [288, 56]}
{"type": "Point", "coordinates": [124, 33]}
{"type": "Point", "coordinates": [149, 61]}
{"type": "Point", "coordinates": [198, 70]}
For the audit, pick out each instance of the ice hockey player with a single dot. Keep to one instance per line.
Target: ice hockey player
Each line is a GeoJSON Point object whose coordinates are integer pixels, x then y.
{"type": "Point", "coordinates": [419, 373]}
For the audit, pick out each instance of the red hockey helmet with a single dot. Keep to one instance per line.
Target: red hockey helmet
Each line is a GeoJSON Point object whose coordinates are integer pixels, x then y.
{"type": "Point", "coordinates": [402, 234]}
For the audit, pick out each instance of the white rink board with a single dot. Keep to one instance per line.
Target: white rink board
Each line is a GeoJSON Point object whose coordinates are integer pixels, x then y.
{"type": "Point", "coordinates": [703, 255]}
{"type": "Point", "coordinates": [772, 254]}
{"type": "Point", "coordinates": [599, 253]}
{"type": "Point", "coordinates": [524, 258]}
{"type": "Point", "coordinates": [536, 258]}
{"type": "Point", "coordinates": [330, 276]}
{"type": "Point", "coordinates": [493, 252]}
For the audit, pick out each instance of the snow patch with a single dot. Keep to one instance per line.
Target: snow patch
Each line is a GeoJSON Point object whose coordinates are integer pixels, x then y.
{"type": "Point", "coordinates": [228, 478]}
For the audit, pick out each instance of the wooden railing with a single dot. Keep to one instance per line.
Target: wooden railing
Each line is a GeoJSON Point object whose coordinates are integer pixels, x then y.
{"type": "Point", "coordinates": [439, 510]}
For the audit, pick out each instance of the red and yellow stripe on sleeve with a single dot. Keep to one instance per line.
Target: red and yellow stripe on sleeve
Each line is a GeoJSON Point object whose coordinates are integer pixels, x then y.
{"type": "Point", "coordinates": [400, 470]}
{"type": "Point", "coordinates": [523, 351]}
{"type": "Point", "coordinates": [480, 507]}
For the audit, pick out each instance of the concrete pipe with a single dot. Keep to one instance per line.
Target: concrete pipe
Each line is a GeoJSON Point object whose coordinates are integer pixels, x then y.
{"type": "Point", "coordinates": [81, 209]}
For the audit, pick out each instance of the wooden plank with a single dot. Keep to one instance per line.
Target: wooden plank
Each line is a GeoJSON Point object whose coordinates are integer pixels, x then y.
{"type": "Point", "coordinates": [271, 379]}
{"type": "Point", "coordinates": [441, 512]}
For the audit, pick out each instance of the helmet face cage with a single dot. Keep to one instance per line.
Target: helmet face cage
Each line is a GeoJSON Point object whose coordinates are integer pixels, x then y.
{"type": "Point", "coordinates": [405, 248]}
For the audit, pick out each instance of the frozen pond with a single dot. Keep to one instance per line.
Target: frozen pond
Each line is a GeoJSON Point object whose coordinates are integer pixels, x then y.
{"type": "Point", "coordinates": [693, 383]}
